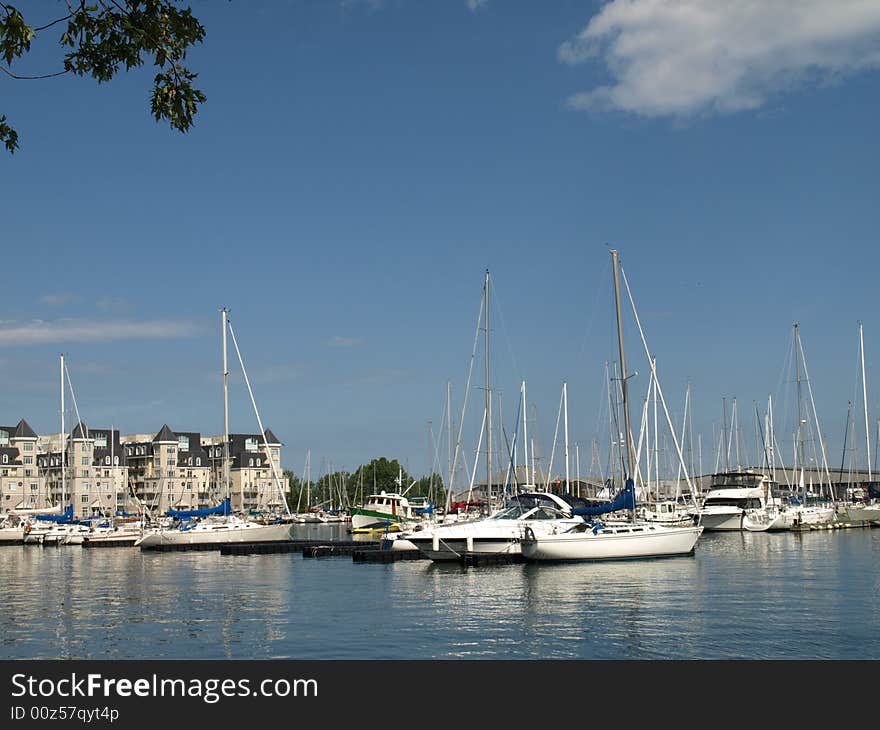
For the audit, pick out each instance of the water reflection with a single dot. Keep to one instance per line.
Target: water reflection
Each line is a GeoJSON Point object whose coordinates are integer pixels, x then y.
{"type": "Point", "coordinates": [742, 595]}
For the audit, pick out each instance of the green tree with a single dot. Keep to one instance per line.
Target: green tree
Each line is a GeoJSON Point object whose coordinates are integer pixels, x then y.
{"type": "Point", "coordinates": [380, 475]}
{"type": "Point", "coordinates": [100, 39]}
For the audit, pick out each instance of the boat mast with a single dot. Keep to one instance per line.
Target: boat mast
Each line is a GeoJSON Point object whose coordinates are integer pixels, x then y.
{"type": "Point", "coordinates": [800, 432]}
{"type": "Point", "coordinates": [565, 399]}
{"type": "Point", "coordinates": [656, 443]}
{"type": "Point", "coordinates": [865, 400]}
{"type": "Point", "coordinates": [449, 432]}
{"type": "Point", "coordinates": [488, 406]}
{"type": "Point", "coordinates": [63, 441]}
{"type": "Point", "coordinates": [626, 434]}
{"type": "Point", "coordinates": [223, 314]}
{"type": "Point", "coordinates": [525, 434]}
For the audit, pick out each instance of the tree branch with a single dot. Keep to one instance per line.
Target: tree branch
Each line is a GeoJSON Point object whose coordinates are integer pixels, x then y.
{"type": "Point", "coordinates": [31, 78]}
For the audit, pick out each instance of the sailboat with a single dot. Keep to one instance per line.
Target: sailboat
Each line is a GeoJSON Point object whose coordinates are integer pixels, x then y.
{"type": "Point", "coordinates": [64, 528]}
{"type": "Point", "coordinates": [499, 533]}
{"type": "Point", "coordinates": [864, 512]}
{"type": "Point", "coordinates": [806, 514]}
{"type": "Point", "coordinates": [596, 540]}
{"type": "Point", "coordinates": [218, 526]}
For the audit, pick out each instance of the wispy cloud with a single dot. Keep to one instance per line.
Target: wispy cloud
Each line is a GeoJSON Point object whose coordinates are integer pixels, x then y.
{"type": "Point", "coordinates": [474, 5]}
{"type": "Point", "coordinates": [111, 303]}
{"type": "Point", "coordinates": [683, 58]}
{"type": "Point", "coordinates": [59, 299]}
{"type": "Point", "coordinates": [42, 332]}
{"type": "Point", "coordinates": [370, 5]}
{"type": "Point", "coordinates": [337, 341]}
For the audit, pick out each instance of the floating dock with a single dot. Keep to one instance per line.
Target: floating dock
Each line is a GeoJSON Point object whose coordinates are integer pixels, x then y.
{"type": "Point", "coordinates": [308, 548]}
{"type": "Point", "coordinates": [385, 556]}
{"type": "Point", "coordinates": [86, 543]}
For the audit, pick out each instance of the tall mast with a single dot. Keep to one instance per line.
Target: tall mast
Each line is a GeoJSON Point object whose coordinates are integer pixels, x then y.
{"type": "Point", "coordinates": [525, 435]}
{"type": "Point", "coordinates": [565, 398]}
{"type": "Point", "coordinates": [223, 314]}
{"type": "Point", "coordinates": [449, 432]}
{"type": "Point", "coordinates": [630, 457]}
{"type": "Point", "coordinates": [488, 406]}
{"type": "Point", "coordinates": [656, 438]}
{"type": "Point", "coordinates": [797, 365]}
{"type": "Point", "coordinates": [865, 400]}
{"type": "Point", "coordinates": [63, 441]}
{"type": "Point", "coordinates": [772, 437]}
{"type": "Point", "coordinates": [113, 472]}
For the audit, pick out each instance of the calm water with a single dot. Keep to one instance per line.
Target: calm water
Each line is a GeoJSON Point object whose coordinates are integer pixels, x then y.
{"type": "Point", "coordinates": [750, 595]}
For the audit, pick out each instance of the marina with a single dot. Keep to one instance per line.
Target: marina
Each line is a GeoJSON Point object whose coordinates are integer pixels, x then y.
{"type": "Point", "coordinates": [398, 332]}
{"type": "Point", "coordinates": [787, 595]}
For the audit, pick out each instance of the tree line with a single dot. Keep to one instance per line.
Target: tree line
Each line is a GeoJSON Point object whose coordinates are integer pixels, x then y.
{"type": "Point", "coordinates": [341, 488]}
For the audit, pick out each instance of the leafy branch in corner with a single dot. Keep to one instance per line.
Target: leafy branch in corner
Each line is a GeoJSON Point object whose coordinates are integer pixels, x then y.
{"type": "Point", "coordinates": [102, 38]}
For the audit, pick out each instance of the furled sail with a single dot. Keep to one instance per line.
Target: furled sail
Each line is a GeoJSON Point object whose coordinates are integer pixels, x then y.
{"type": "Point", "coordinates": [64, 518]}
{"type": "Point", "coordinates": [185, 514]}
{"type": "Point", "coordinates": [625, 499]}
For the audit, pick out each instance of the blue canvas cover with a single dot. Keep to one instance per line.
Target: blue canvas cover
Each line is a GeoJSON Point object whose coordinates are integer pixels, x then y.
{"type": "Point", "coordinates": [626, 499]}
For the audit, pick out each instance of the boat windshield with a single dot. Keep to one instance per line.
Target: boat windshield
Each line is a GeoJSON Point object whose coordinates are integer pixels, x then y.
{"type": "Point", "coordinates": [511, 513]}
{"type": "Point", "coordinates": [742, 502]}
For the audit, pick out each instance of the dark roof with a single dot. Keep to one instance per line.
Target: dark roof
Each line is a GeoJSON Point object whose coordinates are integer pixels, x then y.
{"type": "Point", "coordinates": [113, 449]}
{"type": "Point", "coordinates": [11, 452]}
{"type": "Point", "coordinates": [165, 434]}
{"type": "Point", "coordinates": [24, 431]}
{"type": "Point", "coordinates": [83, 431]}
{"type": "Point", "coordinates": [271, 437]}
{"type": "Point", "coordinates": [195, 449]}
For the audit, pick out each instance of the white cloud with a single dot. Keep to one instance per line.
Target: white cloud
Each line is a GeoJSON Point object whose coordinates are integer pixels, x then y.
{"type": "Point", "coordinates": [474, 5]}
{"type": "Point", "coordinates": [683, 58]}
{"type": "Point", "coordinates": [42, 332]}
{"type": "Point", "coordinates": [59, 299]}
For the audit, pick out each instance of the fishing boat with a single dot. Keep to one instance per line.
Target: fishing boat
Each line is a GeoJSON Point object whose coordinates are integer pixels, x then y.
{"type": "Point", "coordinates": [384, 509]}
{"type": "Point", "coordinates": [594, 539]}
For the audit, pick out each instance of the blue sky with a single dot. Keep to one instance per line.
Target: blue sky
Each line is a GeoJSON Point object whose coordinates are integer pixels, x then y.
{"type": "Point", "coordinates": [358, 165]}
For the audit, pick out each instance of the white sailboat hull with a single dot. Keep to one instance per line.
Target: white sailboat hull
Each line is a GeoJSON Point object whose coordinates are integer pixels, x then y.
{"type": "Point", "coordinates": [617, 543]}
{"type": "Point", "coordinates": [721, 519]}
{"type": "Point", "coordinates": [480, 537]}
{"type": "Point", "coordinates": [10, 535]}
{"type": "Point", "coordinates": [862, 513]}
{"type": "Point", "coordinates": [219, 534]}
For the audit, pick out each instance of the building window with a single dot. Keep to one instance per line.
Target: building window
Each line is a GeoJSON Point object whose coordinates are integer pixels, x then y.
{"type": "Point", "coordinates": [4, 438]}
{"type": "Point", "coordinates": [34, 487]}
{"type": "Point", "coordinates": [28, 472]}
{"type": "Point", "coordinates": [5, 458]}
{"type": "Point", "coordinates": [84, 448]}
{"type": "Point", "coordinates": [28, 459]}
{"type": "Point", "coordinates": [107, 460]}
{"type": "Point", "coordinates": [250, 444]}
{"type": "Point", "coordinates": [183, 443]}
{"type": "Point", "coordinates": [198, 461]}
{"type": "Point", "coordinates": [101, 440]}
{"type": "Point", "coordinates": [85, 498]}
{"type": "Point", "coordinates": [115, 461]}
{"type": "Point", "coordinates": [27, 446]}
{"type": "Point", "coordinates": [85, 461]}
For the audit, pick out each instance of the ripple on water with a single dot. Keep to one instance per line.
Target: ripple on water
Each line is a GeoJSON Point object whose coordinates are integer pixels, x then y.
{"type": "Point", "coordinates": [762, 596]}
